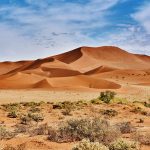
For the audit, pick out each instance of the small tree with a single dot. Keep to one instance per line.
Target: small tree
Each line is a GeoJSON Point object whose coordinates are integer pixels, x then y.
{"type": "Point", "coordinates": [107, 96]}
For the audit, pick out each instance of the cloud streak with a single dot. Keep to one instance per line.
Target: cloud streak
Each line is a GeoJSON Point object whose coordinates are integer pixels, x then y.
{"type": "Point", "coordinates": [48, 27]}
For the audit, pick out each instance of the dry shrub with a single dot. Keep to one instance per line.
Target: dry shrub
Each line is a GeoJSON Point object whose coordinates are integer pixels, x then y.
{"type": "Point", "coordinates": [109, 112]}
{"type": "Point", "coordinates": [92, 129]}
{"type": "Point", "coordinates": [87, 145]}
{"type": "Point", "coordinates": [122, 144]}
{"type": "Point", "coordinates": [125, 127]}
{"type": "Point", "coordinates": [37, 117]}
{"type": "Point", "coordinates": [142, 137]}
{"type": "Point", "coordinates": [41, 130]}
{"type": "Point", "coordinates": [6, 134]}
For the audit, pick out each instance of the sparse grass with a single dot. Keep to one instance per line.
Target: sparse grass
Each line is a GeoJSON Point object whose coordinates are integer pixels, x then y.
{"type": "Point", "coordinates": [109, 112]}
{"type": "Point", "coordinates": [139, 110]}
{"type": "Point", "coordinates": [34, 109]}
{"type": "Point", "coordinates": [120, 100]}
{"type": "Point", "coordinates": [96, 101]}
{"type": "Point", "coordinates": [11, 107]}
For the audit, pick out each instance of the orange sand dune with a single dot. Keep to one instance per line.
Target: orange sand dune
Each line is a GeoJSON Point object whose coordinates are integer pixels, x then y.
{"type": "Point", "coordinates": [104, 67]}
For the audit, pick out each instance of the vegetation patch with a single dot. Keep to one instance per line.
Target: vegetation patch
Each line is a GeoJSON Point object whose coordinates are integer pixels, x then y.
{"type": "Point", "coordinates": [76, 130]}
{"type": "Point", "coordinates": [107, 96]}
{"type": "Point", "coordinates": [122, 144]}
{"type": "Point", "coordinates": [87, 145]}
{"type": "Point", "coordinates": [109, 112]}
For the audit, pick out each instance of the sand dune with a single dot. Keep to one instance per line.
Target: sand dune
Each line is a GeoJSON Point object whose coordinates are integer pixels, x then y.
{"type": "Point", "coordinates": [85, 67]}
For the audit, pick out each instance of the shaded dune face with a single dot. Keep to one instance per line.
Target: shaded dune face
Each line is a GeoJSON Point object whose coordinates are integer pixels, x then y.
{"type": "Point", "coordinates": [85, 67]}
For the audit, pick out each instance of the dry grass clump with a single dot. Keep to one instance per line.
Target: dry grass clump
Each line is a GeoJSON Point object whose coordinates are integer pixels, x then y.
{"type": "Point", "coordinates": [37, 117]}
{"type": "Point", "coordinates": [87, 145]}
{"type": "Point", "coordinates": [32, 104]}
{"type": "Point", "coordinates": [68, 107]}
{"type": "Point", "coordinates": [109, 112]}
{"type": "Point", "coordinates": [34, 109]}
{"type": "Point", "coordinates": [139, 110]}
{"type": "Point", "coordinates": [26, 119]}
{"type": "Point", "coordinates": [11, 107]}
{"type": "Point", "coordinates": [78, 129]}
{"type": "Point", "coordinates": [41, 130]}
{"type": "Point", "coordinates": [125, 127]}
{"type": "Point", "coordinates": [96, 101]}
{"type": "Point", "coordinates": [122, 144]}
{"type": "Point", "coordinates": [6, 134]}
{"type": "Point", "coordinates": [142, 137]}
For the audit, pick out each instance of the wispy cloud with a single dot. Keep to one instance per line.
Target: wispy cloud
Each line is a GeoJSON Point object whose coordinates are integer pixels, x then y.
{"type": "Point", "coordinates": [44, 27]}
{"type": "Point", "coordinates": [143, 16]}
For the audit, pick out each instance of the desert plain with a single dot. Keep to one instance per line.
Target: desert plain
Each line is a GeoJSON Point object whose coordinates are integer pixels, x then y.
{"type": "Point", "coordinates": [38, 97]}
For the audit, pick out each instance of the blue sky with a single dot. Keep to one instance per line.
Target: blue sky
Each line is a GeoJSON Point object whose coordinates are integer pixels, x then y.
{"type": "Point", "coordinates": [31, 29]}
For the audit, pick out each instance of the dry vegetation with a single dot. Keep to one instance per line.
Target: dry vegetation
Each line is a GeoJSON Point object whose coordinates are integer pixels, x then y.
{"type": "Point", "coordinates": [100, 124]}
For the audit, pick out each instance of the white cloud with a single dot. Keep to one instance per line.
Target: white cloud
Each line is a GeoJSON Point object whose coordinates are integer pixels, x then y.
{"type": "Point", "coordinates": [51, 28]}
{"type": "Point", "coordinates": [143, 16]}
{"type": "Point", "coordinates": [46, 27]}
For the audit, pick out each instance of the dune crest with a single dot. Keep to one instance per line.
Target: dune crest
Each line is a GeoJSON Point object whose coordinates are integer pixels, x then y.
{"type": "Point", "coordinates": [104, 67]}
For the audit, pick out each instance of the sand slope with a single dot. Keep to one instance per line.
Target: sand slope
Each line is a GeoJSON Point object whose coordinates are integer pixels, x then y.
{"type": "Point", "coordinates": [85, 67]}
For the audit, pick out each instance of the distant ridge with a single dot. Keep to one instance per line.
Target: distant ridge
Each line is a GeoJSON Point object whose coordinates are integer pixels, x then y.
{"type": "Point", "coordinates": [84, 67]}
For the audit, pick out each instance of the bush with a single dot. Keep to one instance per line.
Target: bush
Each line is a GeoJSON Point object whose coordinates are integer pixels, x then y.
{"type": "Point", "coordinates": [36, 117]}
{"type": "Point", "coordinates": [122, 144]}
{"type": "Point", "coordinates": [34, 109]}
{"type": "Point", "coordinates": [25, 119]}
{"type": "Point", "coordinates": [11, 107]}
{"type": "Point", "coordinates": [125, 127]}
{"type": "Point", "coordinates": [87, 145]}
{"type": "Point", "coordinates": [143, 137]}
{"type": "Point", "coordinates": [5, 134]}
{"type": "Point", "coordinates": [41, 130]}
{"type": "Point", "coordinates": [107, 96]}
{"type": "Point", "coordinates": [12, 114]}
{"type": "Point", "coordinates": [109, 112]}
{"type": "Point", "coordinates": [93, 129]}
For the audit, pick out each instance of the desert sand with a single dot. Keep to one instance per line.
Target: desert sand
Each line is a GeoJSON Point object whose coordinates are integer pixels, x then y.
{"type": "Point", "coordinates": [77, 75]}
{"type": "Point", "coordinates": [83, 68]}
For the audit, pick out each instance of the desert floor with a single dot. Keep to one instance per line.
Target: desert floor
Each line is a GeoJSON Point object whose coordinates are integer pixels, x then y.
{"type": "Point", "coordinates": [135, 113]}
{"type": "Point", "coordinates": [130, 92]}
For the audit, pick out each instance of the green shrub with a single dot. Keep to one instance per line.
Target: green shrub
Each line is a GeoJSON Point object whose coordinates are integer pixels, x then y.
{"type": "Point", "coordinates": [12, 114]}
{"type": "Point", "coordinates": [87, 145]}
{"type": "Point", "coordinates": [37, 117]}
{"type": "Point", "coordinates": [107, 96]}
{"type": "Point", "coordinates": [31, 104]}
{"type": "Point", "coordinates": [11, 107]}
{"type": "Point", "coordinates": [93, 129]}
{"type": "Point", "coordinates": [122, 144]}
